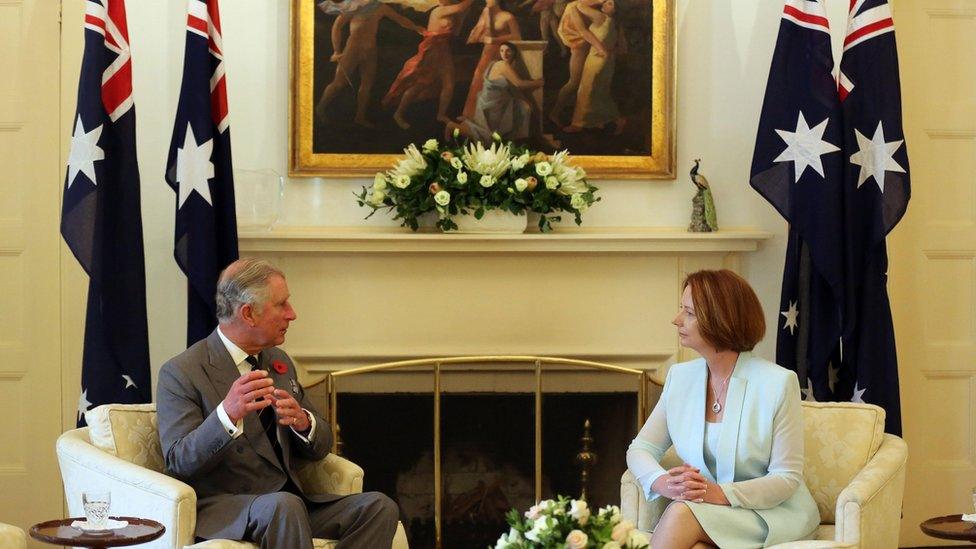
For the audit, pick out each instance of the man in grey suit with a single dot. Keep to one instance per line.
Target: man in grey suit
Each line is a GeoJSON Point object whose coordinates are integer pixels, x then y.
{"type": "Point", "coordinates": [235, 424]}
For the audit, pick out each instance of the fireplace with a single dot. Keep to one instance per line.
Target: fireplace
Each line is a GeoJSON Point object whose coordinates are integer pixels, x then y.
{"type": "Point", "coordinates": [487, 454]}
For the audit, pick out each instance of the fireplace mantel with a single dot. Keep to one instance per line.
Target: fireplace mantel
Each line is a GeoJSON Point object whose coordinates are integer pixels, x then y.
{"type": "Point", "coordinates": [602, 240]}
{"type": "Point", "coordinates": [366, 296]}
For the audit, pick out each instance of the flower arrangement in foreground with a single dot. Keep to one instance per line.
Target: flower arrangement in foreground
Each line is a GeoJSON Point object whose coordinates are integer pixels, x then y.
{"type": "Point", "coordinates": [568, 523]}
{"type": "Point", "coordinates": [465, 178]}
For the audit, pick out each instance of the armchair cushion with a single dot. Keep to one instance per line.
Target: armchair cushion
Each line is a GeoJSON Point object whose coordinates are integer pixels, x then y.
{"type": "Point", "coordinates": [128, 431]}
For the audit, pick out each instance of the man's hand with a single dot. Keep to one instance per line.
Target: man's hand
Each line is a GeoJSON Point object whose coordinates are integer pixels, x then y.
{"type": "Point", "coordinates": [247, 394]}
{"type": "Point", "coordinates": [290, 413]}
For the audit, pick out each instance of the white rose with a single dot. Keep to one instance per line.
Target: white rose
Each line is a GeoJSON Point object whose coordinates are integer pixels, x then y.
{"type": "Point", "coordinates": [534, 512]}
{"type": "Point", "coordinates": [611, 545]}
{"type": "Point", "coordinates": [579, 511]}
{"type": "Point", "coordinates": [576, 540]}
{"type": "Point", "coordinates": [578, 202]}
{"type": "Point", "coordinates": [487, 181]}
{"type": "Point", "coordinates": [524, 159]}
{"type": "Point", "coordinates": [543, 168]}
{"type": "Point", "coordinates": [552, 182]}
{"type": "Point", "coordinates": [495, 136]}
{"type": "Point", "coordinates": [376, 198]}
{"type": "Point", "coordinates": [456, 163]}
{"type": "Point", "coordinates": [456, 133]}
{"type": "Point", "coordinates": [443, 198]}
{"type": "Point", "coordinates": [621, 531]}
{"type": "Point", "coordinates": [430, 145]}
{"type": "Point", "coordinates": [521, 184]}
{"type": "Point", "coordinates": [636, 538]}
{"type": "Point", "coordinates": [402, 181]}
{"type": "Point", "coordinates": [611, 511]}
{"type": "Point", "coordinates": [540, 528]}
{"type": "Point", "coordinates": [517, 164]}
{"type": "Point", "coordinates": [462, 177]}
{"type": "Point", "coordinates": [379, 182]}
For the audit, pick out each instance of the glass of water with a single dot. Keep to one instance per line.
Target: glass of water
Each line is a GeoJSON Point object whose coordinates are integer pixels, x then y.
{"type": "Point", "coordinates": [96, 508]}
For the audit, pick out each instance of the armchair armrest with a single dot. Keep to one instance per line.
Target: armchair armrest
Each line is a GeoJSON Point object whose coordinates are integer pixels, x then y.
{"type": "Point", "coordinates": [869, 508]}
{"type": "Point", "coordinates": [331, 475]}
{"type": "Point", "coordinates": [635, 507]}
{"type": "Point", "coordinates": [12, 537]}
{"type": "Point", "coordinates": [136, 491]}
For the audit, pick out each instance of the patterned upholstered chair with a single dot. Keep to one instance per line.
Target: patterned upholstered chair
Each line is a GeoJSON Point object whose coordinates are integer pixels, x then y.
{"type": "Point", "coordinates": [12, 537]}
{"type": "Point", "coordinates": [120, 451]}
{"type": "Point", "coordinates": [855, 471]}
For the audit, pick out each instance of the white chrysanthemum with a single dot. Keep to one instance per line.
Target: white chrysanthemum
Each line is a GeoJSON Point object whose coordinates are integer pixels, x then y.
{"type": "Point", "coordinates": [412, 165]}
{"type": "Point", "coordinates": [493, 161]}
{"type": "Point", "coordinates": [572, 179]}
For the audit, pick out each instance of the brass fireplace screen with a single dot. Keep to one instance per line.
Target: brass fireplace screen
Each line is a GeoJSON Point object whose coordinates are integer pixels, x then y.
{"type": "Point", "coordinates": [438, 365]}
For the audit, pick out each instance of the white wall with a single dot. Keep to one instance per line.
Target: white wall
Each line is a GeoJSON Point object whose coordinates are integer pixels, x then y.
{"type": "Point", "coordinates": [723, 54]}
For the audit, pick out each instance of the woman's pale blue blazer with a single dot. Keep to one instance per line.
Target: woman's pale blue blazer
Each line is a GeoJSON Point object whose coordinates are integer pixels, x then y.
{"type": "Point", "coordinates": [759, 457]}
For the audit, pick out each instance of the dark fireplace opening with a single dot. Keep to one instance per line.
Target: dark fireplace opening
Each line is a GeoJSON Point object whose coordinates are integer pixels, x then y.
{"type": "Point", "coordinates": [487, 456]}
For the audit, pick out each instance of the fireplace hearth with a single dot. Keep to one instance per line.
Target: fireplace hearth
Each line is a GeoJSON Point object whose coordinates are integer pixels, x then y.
{"type": "Point", "coordinates": [487, 456]}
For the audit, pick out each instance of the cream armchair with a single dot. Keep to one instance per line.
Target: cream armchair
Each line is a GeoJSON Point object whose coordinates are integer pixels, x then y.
{"type": "Point", "coordinates": [12, 537]}
{"type": "Point", "coordinates": [120, 451]}
{"type": "Point", "coordinates": [855, 471]}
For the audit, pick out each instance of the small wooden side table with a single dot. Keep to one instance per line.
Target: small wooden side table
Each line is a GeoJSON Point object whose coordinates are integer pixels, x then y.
{"type": "Point", "coordinates": [950, 527]}
{"type": "Point", "coordinates": [60, 532]}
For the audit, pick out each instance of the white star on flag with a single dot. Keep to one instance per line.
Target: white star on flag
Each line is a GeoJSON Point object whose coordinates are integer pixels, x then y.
{"type": "Point", "coordinates": [858, 393]}
{"type": "Point", "coordinates": [193, 167]}
{"type": "Point", "coordinates": [84, 152]}
{"type": "Point", "coordinates": [83, 404]}
{"type": "Point", "coordinates": [805, 146]}
{"type": "Point", "coordinates": [808, 391]}
{"type": "Point", "coordinates": [790, 315]}
{"type": "Point", "coordinates": [875, 157]}
{"type": "Point", "coordinates": [128, 381]}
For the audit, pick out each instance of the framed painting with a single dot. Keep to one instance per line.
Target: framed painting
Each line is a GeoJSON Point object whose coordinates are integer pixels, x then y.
{"type": "Point", "coordinates": [595, 77]}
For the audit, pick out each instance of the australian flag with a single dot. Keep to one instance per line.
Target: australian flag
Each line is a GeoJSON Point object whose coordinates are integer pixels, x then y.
{"type": "Point", "coordinates": [199, 169]}
{"type": "Point", "coordinates": [101, 219]}
{"type": "Point", "coordinates": [834, 324]}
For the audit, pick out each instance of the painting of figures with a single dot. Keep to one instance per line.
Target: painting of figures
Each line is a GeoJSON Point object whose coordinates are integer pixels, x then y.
{"type": "Point", "coordinates": [591, 76]}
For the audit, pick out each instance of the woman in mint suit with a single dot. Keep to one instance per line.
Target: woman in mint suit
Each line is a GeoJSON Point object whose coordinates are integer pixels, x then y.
{"type": "Point", "coordinates": [735, 421]}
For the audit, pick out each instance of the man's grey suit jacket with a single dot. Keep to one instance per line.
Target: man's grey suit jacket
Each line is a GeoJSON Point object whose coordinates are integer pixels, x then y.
{"type": "Point", "coordinates": [226, 473]}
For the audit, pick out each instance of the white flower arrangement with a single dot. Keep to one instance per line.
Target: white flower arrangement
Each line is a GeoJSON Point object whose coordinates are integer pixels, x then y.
{"type": "Point", "coordinates": [569, 523]}
{"type": "Point", "coordinates": [468, 178]}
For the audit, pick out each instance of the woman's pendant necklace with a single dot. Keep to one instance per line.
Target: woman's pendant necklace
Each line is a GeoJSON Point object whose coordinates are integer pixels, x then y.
{"type": "Point", "coordinates": [716, 406]}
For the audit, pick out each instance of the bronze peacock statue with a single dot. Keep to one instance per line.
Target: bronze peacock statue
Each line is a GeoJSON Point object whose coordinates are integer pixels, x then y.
{"type": "Point", "coordinates": [703, 217]}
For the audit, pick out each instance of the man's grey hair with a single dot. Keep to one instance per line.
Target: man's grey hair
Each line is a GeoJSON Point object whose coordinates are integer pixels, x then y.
{"type": "Point", "coordinates": [244, 281]}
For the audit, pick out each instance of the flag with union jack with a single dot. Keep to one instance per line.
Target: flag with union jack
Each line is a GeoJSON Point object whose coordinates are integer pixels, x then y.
{"type": "Point", "coordinates": [199, 169]}
{"type": "Point", "coordinates": [101, 216]}
{"type": "Point", "coordinates": [798, 167]}
{"type": "Point", "coordinates": [877, 186]}
{"type": "Point", "coordinates": [814, 153]}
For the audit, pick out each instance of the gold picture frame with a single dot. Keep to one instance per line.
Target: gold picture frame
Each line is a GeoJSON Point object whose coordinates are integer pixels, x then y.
{"type": "Point", "coordinates": [366, 151]}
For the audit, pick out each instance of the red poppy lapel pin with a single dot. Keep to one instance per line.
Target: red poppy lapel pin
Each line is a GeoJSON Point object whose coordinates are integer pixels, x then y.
{"type": "Point", "coordinates": [279, 367]}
